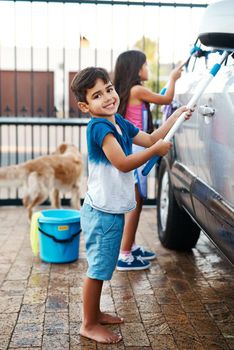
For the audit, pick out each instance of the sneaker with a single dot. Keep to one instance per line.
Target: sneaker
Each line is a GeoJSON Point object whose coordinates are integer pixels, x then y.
{"type": "Point", "coordinates": [144, 254]}
{"type": "Point", "coordinates": [132, 263]}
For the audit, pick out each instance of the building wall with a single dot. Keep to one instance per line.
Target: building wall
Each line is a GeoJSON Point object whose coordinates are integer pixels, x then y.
{"type": "Point", "coordinates": [26, 93]}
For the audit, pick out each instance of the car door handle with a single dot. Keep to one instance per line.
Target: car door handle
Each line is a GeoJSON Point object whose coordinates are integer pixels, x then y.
{"type": "Point", "coordinates": [206, 111]}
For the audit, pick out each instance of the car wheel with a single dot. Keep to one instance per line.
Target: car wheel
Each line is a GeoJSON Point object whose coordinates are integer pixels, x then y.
{"type": "Point", "coordinates": [176, 229]}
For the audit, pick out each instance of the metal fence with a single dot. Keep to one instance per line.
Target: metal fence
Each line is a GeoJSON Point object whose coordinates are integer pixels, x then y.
{"type": "Point", "coordinates": [43, 44]}
{"type": "Point", "coordinates": [22, 139]}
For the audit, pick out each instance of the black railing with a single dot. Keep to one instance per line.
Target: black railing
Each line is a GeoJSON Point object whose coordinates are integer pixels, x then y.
{"type": "Point", "coordinates": [120, 2]}
{"type": "Point", "coordinates": [22, 139]}
{"type": "Point", "coordinates": [36, 68]}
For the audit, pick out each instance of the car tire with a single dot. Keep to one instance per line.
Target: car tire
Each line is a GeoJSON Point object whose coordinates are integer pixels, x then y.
{"type": "Point", "coordinates": [176, 229]}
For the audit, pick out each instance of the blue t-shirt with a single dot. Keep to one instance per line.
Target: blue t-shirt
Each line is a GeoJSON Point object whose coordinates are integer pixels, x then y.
{"type": "Point", "coordinates": [109, 189]}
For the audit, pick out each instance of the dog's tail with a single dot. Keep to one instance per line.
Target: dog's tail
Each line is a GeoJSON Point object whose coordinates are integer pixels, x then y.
{"type": "Point", "coordinates": [13, 175]}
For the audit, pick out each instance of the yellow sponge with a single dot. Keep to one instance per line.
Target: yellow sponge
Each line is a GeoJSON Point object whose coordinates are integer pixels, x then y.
{"type": "Point", "coordinates": [34, 236]}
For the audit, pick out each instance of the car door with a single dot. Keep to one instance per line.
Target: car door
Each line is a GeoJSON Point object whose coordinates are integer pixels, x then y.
{"type": "Point", "coordinates": [215, 118]}
{"type": "Point", "coordinates": [205, 145]}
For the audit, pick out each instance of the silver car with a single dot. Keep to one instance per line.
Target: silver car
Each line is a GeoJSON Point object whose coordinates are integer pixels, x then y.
{"type": "Point", "coordinates": [196, 180]}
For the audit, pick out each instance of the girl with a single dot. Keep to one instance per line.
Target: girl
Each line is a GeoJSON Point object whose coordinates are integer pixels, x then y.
{"type": "Point", "coordinates": [130, 72]}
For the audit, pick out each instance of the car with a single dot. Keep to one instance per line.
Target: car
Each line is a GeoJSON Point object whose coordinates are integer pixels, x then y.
{"type": "Point", "coordinates": [196, 179]}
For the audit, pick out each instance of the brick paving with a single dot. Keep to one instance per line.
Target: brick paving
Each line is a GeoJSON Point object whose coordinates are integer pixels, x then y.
{"type": "Point", "coordinates": [185, 301]}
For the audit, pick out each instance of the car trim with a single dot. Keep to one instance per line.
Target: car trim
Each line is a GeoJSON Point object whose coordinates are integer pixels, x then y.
{"type": "Point", "coordinates": [213, 201]}
{"type": "Point", "coordinates": [185, 181]}
{"type": "Point", "coordinates": [182, 178]}
{"type": "Point", "coordinates": [206, 207]}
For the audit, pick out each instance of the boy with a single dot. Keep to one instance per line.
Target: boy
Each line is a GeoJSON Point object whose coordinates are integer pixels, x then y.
{"type": "Point", "coordinates": [110, 188]}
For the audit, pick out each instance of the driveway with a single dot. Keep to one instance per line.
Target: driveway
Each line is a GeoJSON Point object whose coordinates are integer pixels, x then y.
{"type": "Point", "coordinates": [185, 301]}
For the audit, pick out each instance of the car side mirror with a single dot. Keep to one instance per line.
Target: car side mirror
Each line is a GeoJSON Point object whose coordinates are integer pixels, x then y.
{"type": "Point", "coordinates": [217, 29]}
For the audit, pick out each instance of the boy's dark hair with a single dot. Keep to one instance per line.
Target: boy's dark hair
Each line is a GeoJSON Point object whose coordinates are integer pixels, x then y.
{"type": "Point", "coordinates": [86, 79]}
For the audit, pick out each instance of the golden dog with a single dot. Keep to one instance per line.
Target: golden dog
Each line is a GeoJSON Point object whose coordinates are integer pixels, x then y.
{"type": "Point", "coordinates": [46, 176]}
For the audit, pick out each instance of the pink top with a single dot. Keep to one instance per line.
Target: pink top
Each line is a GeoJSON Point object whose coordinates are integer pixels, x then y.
{"type": "Point", "coordinates": [134, 115]}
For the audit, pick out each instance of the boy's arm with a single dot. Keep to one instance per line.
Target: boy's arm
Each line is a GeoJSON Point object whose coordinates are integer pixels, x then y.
{"type": "Point", "coordinates": [117, 157]}
{"type": "Point", "coordinates": [146, 140]}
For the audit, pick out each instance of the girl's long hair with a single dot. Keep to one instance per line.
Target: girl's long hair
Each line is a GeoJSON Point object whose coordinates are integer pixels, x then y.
{"type": "Point", "coordinates": [126, 75]}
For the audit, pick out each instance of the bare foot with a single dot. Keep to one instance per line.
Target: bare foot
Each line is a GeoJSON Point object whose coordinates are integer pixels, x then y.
{"type": "Point", "coordinates": [100, 334]}
{"type": "Point", "coordinates": [109, 319]}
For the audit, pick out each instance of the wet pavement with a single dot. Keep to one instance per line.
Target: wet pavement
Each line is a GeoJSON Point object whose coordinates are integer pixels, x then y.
{"type": "Point", "coordinates": [185, 301]}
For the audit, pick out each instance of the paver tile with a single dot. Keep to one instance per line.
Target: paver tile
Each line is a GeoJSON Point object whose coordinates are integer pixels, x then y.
{"type": "Point", "coordinates": [56, 323]}
{"type": "Point", "coordinates": [163, 342]}
{"type": "Point", "coordinates": [34, 313]}
{"type": "Point", "coordinates": [214, 342]}
{"type": "Point", "coordinates": [156, 324]}
{"type": "Point", "coordinates": [55, 341]}
{"type": "Point", "coordinates": [134, 334]}
{"type": "Point", "coordinates": [26, 339]}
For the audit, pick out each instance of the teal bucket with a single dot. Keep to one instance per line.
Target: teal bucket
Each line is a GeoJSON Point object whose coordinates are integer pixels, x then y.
{"type": "Point", "coordinates": [59, 235]}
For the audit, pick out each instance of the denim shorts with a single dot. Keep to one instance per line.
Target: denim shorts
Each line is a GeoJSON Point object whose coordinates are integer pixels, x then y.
{"type": "Point", "coordinates": [102, 233]}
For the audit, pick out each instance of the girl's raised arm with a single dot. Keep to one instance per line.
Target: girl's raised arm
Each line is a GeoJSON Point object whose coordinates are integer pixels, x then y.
{"type": "Point", "coordinates": [142, 93]}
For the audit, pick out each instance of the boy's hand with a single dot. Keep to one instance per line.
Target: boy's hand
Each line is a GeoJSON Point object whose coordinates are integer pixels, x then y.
{"type": "Point", "coordinates": [162, 147]}
{"type": "Point", "coordinates": [182, 109]}
{"type": "Point", "coordinates": [176, 73]}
